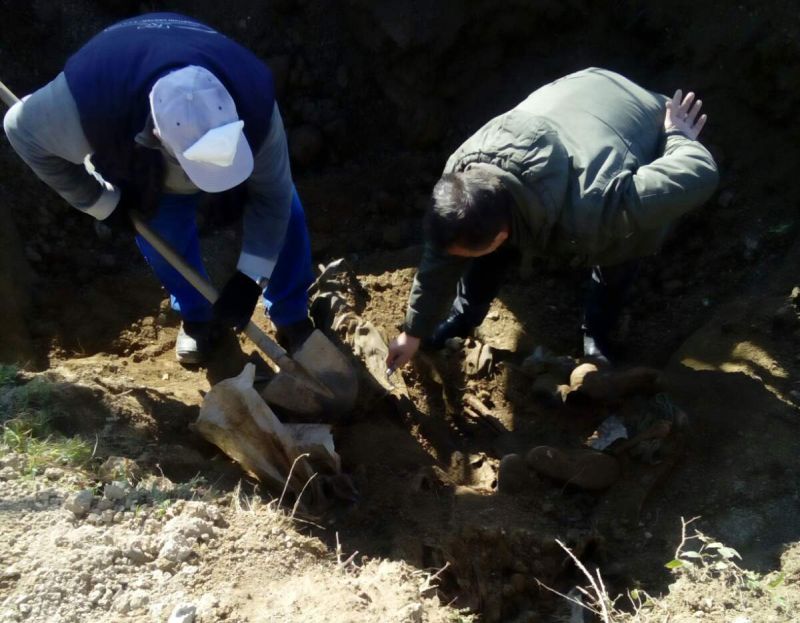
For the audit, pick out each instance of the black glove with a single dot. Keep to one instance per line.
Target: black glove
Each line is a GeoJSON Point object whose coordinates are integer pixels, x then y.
{"type": "Point", "coordinates": [236, 302]}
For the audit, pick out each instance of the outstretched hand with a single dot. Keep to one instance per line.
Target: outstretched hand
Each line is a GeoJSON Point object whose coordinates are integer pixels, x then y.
{"type": "Point", "coordinates": [682, 115]}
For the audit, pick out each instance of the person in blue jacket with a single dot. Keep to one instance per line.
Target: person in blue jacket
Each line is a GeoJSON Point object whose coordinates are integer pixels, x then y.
{"type": "Point", "coordinates": [164, 107]}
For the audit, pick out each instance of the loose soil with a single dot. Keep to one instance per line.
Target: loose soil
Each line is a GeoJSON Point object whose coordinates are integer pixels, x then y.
{"type": "Point", "coordinates": [391, 88]}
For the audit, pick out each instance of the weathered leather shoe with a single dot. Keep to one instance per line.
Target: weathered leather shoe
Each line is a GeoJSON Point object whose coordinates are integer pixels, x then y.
{"type": "Point", "coordinates": [583, 468]}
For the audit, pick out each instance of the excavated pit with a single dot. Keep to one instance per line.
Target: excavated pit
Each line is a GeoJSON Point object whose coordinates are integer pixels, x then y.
{"type": "Point", "coordinates": [375, 95]}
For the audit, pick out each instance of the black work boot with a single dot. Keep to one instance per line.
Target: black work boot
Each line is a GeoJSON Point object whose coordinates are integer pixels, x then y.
{"type": "Point", "coordinates": [456, 325]}
{"type": "Point", "coordinates": [293, 336]}
{"type": "Point", "coordinates": [193, 343]}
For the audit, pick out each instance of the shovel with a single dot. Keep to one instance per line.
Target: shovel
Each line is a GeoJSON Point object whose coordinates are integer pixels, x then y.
{"type": "Point", "coordinates": [319, 379]}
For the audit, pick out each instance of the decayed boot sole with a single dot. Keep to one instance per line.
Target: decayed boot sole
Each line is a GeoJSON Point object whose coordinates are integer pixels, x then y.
{"type": "Point", "coordinates": [586, 469]}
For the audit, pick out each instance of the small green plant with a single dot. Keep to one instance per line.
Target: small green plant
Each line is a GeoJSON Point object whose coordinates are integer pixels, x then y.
{"type": "Point", "coordinates": [710, 557]}
{"type": "Point", "coordinates": [8, 374]}
{"type": "Point", "coordinates": [162, 507]}
{"type": "Point", "coordinates": [26, 426]}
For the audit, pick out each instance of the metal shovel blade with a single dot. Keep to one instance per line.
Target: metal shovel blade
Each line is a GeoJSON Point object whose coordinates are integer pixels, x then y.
{"type": "Point", "coordinates": [329, 367]}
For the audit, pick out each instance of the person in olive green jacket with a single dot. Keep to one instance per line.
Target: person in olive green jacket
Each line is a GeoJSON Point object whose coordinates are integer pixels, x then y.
{"type": "Point", "coordinates": [591, 169]}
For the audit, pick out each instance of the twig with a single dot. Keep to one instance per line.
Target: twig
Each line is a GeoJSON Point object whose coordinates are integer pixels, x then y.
{"type": "Point", "coordinates": [428, 583]}
{"type": "Point", "coordinates": [684, 538]}
{"type": "Point", "coordinates": [289, 477]}
{"type": "Point", "coordinates": [568, 598]}
{"type": "Point", "coordinates": [339, 563]}
{"type": "Point", "coordinates": [300, 495]}
{"type": "Point", "coordinates": [599, 589]}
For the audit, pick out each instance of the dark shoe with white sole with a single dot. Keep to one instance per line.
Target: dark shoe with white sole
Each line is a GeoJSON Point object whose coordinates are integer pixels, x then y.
{"type": "Point", "coordinates": [455, 326]}
{"type": "Point", "coordinates": [193, 343]}
{"type": "Point", "coordinates": [596, 349]}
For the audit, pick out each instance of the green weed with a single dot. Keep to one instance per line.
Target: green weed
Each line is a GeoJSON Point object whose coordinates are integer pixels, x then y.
{"type": "Point", "coordinates": [26, 426]}
{"type": "Point", "coordinates": [8, 374]}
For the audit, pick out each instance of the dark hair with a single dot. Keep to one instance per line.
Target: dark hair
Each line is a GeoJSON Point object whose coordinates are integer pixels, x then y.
{"type": "Point", "coordinates": [468, 209]}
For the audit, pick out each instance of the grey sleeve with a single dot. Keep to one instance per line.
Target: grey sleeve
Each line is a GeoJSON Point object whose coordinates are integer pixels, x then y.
{"type": "Point", "coordinates": [45, 131]}
{"type": "Point", "coordinates": [682, 178]}
{"type": "Point", "coordinates": [266, 215]}
{"type": "Point", "coordinates": [433, 291]}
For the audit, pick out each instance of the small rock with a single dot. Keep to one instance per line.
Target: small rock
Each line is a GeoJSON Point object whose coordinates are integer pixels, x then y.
{"type": "Point", "coordinates": [202, 510]}
{"type": "Point", "coordinates": [8, 473]}
{"type": "Point", "coordinates": [175, 548]}
{"type": "Point", "coordinates": [206, 606]}
{"type": "Point", "coordinates": [117, 468]}
{"type": "Point", "coordinates": [412, 613]}
{"type": "Point", "coordinates": [11, 572]}
{"type": "Point", "coordinates": [14, 460]}
{"type": "Point", "coordinates": [113, 491]}
{"type": "Point", "coordinates": [53, 473]}
{"type": "Point", "coordinates": [183, 613]}
{"type": "Point", "coordinates": [80, 503]}
{"type": "Point", "coordinates": [94, 519]}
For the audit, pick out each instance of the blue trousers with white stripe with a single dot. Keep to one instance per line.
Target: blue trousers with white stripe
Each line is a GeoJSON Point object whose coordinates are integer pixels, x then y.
{"type": "Point", "coordinates": [285, 298]}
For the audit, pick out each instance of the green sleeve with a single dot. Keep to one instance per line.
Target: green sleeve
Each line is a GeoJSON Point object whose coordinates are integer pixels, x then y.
{"type": "Point", "coordinates": [433, 290]}
{"type": "Point", "coordinates": [682, 178]}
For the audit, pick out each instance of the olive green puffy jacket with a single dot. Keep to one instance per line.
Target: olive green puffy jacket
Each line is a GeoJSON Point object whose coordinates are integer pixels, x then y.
{"type": "Point", "coordinates": [594, 177]}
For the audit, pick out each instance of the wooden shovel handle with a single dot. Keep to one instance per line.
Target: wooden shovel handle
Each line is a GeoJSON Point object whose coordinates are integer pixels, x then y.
{"type": "Point", "coordinates": [259, 338]}
{"type": "Point", "coordinates": [9, 99]}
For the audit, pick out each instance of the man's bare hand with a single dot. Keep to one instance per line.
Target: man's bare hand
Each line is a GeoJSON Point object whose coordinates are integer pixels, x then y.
{"type": "Point", "coordinates": [682, 115]}
{"type": "Point", "coordinates": [401, 350]}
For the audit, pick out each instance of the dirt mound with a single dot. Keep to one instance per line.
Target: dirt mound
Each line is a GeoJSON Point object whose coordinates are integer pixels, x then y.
{"type": "Point", "coordinates": [137, 554]}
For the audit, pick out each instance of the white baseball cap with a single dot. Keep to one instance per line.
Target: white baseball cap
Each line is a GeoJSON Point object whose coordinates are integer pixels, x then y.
{"type": "Point", "coordinates": [195, 118]}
